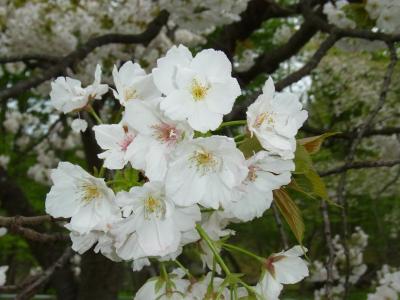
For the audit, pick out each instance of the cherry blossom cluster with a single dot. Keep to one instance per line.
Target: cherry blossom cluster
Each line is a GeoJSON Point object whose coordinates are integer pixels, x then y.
{"type": "Point", "coordinates": [192, 182]}
{"type": "Point", "coordinates": [388, 284]}
{"type": "Point", "coordinates": [357, 244]}
{"type": "Point", "coordinates": [57, 27]}
{"type": "Point", "coordinates": [3, 269]}
{"type": "Point", "coordinates": [384, 12]}
{"type": "Point", "coordinates": [28, 127]}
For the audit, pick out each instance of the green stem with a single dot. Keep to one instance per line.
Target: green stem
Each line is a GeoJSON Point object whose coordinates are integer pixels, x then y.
{"type": "Point", "coordinates": [183, 268]}
{"type": "Point", "coordinates": [232, 123]}
{"type": "Point", "coordinates": [94, 114]}
{"type": "Point", "coordinates": [244, 251]}
{"type": "Point", "coordinates": [164, 273]}
{"type": "Point", "coordinates": [239, 136]}
{"type": "Point", "coordinates": [214, 250]}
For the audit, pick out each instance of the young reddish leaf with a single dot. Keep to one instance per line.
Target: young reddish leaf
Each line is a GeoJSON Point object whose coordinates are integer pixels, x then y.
{"type": "Point", "coordinates": [313, 144]}
{"type": "Point", "coordinates": [290, 212]}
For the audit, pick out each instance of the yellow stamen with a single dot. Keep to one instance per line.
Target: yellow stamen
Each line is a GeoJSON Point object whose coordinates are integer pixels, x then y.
{"type": "Point", "coordinates": [204, 161]}
{"type": "Point", "coordinates": [198, 90]}
{"type": "Point", "coordinates": [264, 117]}
{"type": "Point", "coordinates": [153, 206]}
{"type": "Point", "coordinates": [130, 93]}
{"type": "Point", "coordinates": [90, 192]}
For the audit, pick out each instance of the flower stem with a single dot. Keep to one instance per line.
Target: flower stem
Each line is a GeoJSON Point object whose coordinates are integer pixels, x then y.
{"type": "Point", "coordinates": [164, 273]}
{"type": "Point", "coordinates": [232, 123]}
{"type": "Point", "coordinates": [244, 251]}
{"type": "Point", "coordinates": [94, 114]}
{"type": "Point", "coordinates": [214, 250]}
{"type": "Point", "coordinates": [183, 268]}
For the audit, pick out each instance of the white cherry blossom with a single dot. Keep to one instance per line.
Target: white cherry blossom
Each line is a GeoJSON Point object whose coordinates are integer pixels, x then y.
{"type": "Point", "coordinates": [266, 173]}
{"type": "Point", "coordinates": [285, 267]}
{"type": "Point", "coordinates": [132, 83]}
{"type": "Point", "coordinates": [3, 231]}
{"type": "Point", "coordinates": [85, 199]}
{"type": "Point", "coordinates": [116, 140]}
{"type": "Point", "coordinates": [204, 171]}
{"type": "Point", "coordinates": [175, 291]}
{"type": "Point", "coordinates": [275, 119]}
{"type": "Point", "coordinates": [155, 225]}
{"type": "Point", "coordinates": [103, 241]}
{"type": "Point", "coordinates": [79, 125]}
{"type": "Point", "coordinates": [3, 277]}
{"type": "Point", "coordinates": [67, 94]}
{"type": "Point", "coordinates": [200, 290]}
{"type": "Point", "coordinates": [157, 136]}
{"type": "Point", "coordinates": [199, 90]}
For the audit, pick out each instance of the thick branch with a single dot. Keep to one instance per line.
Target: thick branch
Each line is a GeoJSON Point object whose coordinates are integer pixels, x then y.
{"type": "Point", "coordinates": [257, 12]}
{"type": "Point", "coordinates": [270, 61]}
{"type": "Point", "coordinates": [33, 235]}
{"type": "Point", "coordinates": [361, 165]}
{"type": "Point", "coordinates": [21, 220]}
{"type": "Point", "coordinates": [353, 33]}
{"type": "Point", "coordinates": [79, 54]}
{"type": "Point", "coordinates": [310, 65]}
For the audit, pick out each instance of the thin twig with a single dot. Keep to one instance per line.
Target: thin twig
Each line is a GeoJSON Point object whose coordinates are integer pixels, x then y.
{"type": "Point", "coordinates": [331, 250]}
{"type": "Point", "coordinates": [360, 165]}
{"type": "Point", "coordinates": [32, 289]}
{"type": "Point", "coordinates": [341, 197]}
{"type": "Point", "coordinates": [279, 224]}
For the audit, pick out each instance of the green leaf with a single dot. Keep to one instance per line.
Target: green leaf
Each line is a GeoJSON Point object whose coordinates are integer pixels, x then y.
{"type": "Point", "coordinates": [291, 212]}
{"type": "Point", "coordinates": [313, 144]}
{"type": "Point", "coordinates": [249, 146]}
{"type": "Point", "coordinates": [304, 167]}
{"type": "Point", "coordinates": [125, 179]}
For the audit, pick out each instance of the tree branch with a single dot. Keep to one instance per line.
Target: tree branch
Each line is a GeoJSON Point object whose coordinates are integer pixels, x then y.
{"type": "Point", "coordinates": [270, 61]}
{"type": "Point", "coordinates": [341, 197]}
{"type": "Point", "coordinates": [351, 134]}
{"type": "Point", "coordinates": [79, 54]}
{"type": "Point", "coordinates": [331, 250]}
{"type": "Point", "coordinates": [257, 12]}
{"type": "Point", "coordinates": [361, 165]}
{"type": "Point", "coordinates": [21, 220]}
{"type": "Point", "coordinates": [33, 288]}
{"type": "Point", "coordinates": [310, 65]}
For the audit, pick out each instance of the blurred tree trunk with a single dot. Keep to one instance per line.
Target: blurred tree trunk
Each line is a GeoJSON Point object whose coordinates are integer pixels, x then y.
{"type": "Point", "coordinates": [101, 278]}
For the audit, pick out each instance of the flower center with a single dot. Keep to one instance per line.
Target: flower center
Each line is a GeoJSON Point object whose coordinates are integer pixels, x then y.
{"type": "Point", "coordinates": [204, 161]}
{"type": "Point", "coordinates": [264, 117]}
{"type": "Point", "coordinates": [252, 175]}
{"type": "Point", "coordinates": [153, 206]}
{"type": "Point", "coordinates": [198, 90]}
{"type": "Point", "coordinates": [166, 133]}
{"type": "Point", "coordinates": [90, 192]}
{"type": "Point", "coordinates": [124, 144]}
{"type": "Point", "coordinates": [130, 93]}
